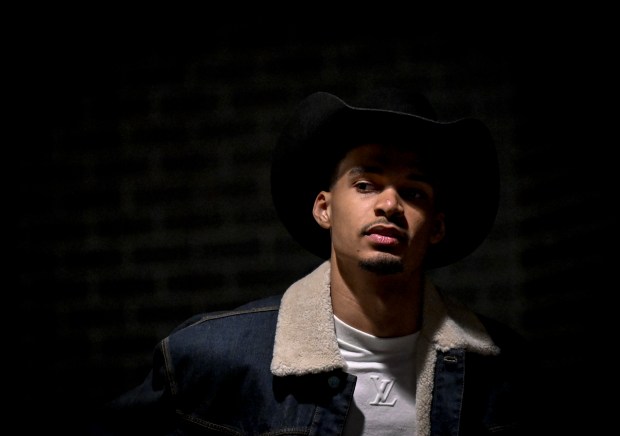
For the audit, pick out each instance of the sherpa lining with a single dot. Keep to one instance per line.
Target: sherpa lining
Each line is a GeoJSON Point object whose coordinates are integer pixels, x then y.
{"type": "Point", "coordinates": [305, 340]}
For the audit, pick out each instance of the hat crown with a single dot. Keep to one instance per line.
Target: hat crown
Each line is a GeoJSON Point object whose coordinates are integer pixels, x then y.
{"type": "Point", "coordinates": [398, 100]}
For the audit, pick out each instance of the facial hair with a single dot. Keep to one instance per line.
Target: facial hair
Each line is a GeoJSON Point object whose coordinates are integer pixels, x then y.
{"type": "Point", "coordinates": [382, 265]}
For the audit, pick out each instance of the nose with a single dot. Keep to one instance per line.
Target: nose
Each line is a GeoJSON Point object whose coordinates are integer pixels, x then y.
{"type": "Point", "coordinates": [388, 203]}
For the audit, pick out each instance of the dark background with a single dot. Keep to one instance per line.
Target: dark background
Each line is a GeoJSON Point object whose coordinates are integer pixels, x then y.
{"type": "Point", "coordinates": [143, 189]}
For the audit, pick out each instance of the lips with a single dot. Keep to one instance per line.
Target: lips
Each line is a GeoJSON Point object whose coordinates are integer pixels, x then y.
{"type": "Point", "coordinates": [385, 235]}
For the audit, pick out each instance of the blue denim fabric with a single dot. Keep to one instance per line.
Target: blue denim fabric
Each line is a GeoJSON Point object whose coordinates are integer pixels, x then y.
{"type": "Point", "coordinates": [212, 376]}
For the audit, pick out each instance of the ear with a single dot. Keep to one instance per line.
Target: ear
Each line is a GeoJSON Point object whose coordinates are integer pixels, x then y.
{"type": "Point", "coordinates": [439, 228]}
{"type": "Point", "coordinates": [321, 211]}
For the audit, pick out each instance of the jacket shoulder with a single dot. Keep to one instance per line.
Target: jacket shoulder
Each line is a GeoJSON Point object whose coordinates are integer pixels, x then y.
{"type": "Point", "coordinates": [266, 304]}
{"type": "Point", "coordinates": [215, 341]}
{"type": "Point", "coordinates": [504, 336]}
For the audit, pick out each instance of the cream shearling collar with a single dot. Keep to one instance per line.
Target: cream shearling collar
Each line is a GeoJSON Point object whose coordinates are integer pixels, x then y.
{"type": "Point", "coordinates": [305, 340]}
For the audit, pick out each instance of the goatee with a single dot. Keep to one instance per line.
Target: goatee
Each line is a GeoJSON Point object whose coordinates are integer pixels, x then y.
{"type": "Point", "coordinates": [382, 266]}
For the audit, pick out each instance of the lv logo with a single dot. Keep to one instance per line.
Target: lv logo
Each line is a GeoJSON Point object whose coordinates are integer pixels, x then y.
{"type": "Point", "coordinates": [383, 388]}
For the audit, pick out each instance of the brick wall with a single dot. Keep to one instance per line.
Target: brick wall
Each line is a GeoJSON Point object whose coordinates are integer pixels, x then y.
{"type": "Point", "coordinates": [144, 195]}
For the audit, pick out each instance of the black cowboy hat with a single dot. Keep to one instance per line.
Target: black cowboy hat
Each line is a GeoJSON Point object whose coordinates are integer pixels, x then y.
{"type": "Point", "coordinates": [460, 153]}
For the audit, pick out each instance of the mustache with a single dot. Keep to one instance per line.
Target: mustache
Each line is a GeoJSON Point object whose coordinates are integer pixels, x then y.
{"type": "Point", "coordinates": [380, 222]}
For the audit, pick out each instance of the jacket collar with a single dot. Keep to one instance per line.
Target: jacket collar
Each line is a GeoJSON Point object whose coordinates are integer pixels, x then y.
{"type": "Point", "coordinates": [305, 339]}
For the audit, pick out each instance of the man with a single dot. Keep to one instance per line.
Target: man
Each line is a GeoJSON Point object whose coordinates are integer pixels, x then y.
{"type": "Point", "coordinates": [364, 344]}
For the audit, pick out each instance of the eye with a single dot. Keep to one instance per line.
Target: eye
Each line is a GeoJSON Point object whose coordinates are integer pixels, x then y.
{"type": "Point", "coordinates": [364, 186]}
{"type": "Point", "coordinates": [414, 194]}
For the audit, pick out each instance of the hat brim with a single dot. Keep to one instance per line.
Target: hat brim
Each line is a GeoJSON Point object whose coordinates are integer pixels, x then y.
{"type": "Point", "coordinates": [324, 127]}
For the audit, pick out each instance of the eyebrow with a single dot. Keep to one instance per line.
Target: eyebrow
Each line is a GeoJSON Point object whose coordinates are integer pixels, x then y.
{"type": "Point", "coordinates": [359, 170]}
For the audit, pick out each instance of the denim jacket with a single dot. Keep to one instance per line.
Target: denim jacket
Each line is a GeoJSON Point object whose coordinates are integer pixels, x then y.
{"type": "Point", "coordinates": [273, 367]}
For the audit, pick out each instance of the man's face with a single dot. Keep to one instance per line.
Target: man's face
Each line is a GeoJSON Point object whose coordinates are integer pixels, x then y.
{"type": "Point", "coordinates": [380, 210]}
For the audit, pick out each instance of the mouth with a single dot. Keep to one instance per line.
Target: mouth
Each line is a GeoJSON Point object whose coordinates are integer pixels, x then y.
{"type": "Point", "coordinates": [384, 235]}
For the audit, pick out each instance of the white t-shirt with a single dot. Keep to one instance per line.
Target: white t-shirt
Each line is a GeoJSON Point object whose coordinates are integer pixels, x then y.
{"type": "Point", "coordinates": [384, 397]}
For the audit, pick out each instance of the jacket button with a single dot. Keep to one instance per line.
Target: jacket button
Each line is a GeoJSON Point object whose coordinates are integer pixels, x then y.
{"type": "Point", "coordinates": [333, 382]}
{"type": "Point", "coordinates": [450, 359]}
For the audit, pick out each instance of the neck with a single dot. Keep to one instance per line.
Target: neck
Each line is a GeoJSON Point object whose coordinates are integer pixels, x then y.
{"type": "Point", "coordinates": [381, 305]}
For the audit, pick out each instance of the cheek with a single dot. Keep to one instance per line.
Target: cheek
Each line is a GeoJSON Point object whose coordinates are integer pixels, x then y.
{"type": "Point", "coordinates": [346, 220]}
{"type": "Point", "coordinates": [420, 222]}
{"type": "Point", "coordinates": [417, 216]}
{"type": "Point", "coordinates": [351, 213]}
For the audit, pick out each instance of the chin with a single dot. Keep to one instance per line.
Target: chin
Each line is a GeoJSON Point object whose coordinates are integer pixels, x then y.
{"type": "Point", "coordinates": [383, 264]}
